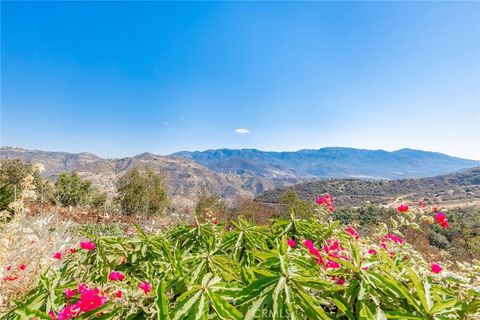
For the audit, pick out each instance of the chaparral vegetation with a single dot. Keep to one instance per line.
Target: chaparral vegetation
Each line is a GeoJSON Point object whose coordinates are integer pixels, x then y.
{"type": "Point", "coordinates": [313, 265]}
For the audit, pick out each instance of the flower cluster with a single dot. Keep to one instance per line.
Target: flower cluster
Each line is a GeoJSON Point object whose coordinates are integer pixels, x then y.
{"type": "Point", "coordinates": [442, 220]}
{"type": "Point", "coordinates": [351, 231]}
{"type": "Point", "coordinates": [332, 249]}
{"type": "Point", "coordinates": [90, 299]}
{"type": "Point", "coordinates": [328, 201]}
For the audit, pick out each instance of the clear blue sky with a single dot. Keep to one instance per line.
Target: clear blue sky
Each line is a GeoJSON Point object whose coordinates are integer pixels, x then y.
{"type": "Point", "coordinates": [118, 79]}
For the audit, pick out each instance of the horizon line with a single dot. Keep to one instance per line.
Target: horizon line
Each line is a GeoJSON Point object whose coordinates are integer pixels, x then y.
{"type": "Point", "coordinates": [240, 149]}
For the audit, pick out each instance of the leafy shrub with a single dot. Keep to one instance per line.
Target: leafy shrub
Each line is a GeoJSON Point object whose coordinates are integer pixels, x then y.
{"type": "Point", "coordinates": [295, 268]}
{"type": "Point", "coordinates": [13, 172]}
{"type": "Point", "coordinates": [140, 190]}
{"type": "Point", "coordinates": [73, 191]}
{"type": "Point", "coordinates": [438, 240]}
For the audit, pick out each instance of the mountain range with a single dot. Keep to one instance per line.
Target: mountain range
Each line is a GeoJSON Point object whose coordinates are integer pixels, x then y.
{"type": "Point", "coordinates": [330, 163]}
{"type": "Point", "coordinates": [246, 172]}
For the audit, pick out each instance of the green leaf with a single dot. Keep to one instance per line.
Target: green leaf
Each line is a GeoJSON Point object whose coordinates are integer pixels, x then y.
{"type": "Point", "coordinates": [162, 302]}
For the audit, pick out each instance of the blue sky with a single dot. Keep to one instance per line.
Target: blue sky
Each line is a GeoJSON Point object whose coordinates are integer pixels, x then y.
{"type": "Point", "coordinates": [118, 79]}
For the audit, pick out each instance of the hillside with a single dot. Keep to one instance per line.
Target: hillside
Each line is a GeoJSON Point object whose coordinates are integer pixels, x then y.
{"type": "Point", "coordinates": [448, 189]}
{"type": "Point", "coordinates": [330, 163]}
{"type": "Point", "coordinates": [185, 178]}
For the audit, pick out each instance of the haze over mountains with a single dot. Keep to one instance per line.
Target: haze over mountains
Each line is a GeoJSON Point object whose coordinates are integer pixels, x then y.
{"type": "Point", "coordinates": [247, 172]}
{"type": "Point", "coordinates": [330, 163]}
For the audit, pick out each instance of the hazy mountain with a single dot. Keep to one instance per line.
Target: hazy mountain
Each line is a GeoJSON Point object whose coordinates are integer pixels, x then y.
{"type": "Point", "coordinates": [249, 172]}
{"type": "Point", "coordinates": [330, 163]}
{"type": "Point", "coordinates": [185, 177]}
{"type": "Point", "coordinates": [456, 188]}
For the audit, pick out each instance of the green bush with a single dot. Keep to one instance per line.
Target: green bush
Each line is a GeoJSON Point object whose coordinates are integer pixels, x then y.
{"type": "Point", "coordinates": [71, 190]}
{"type": "Point", "coordinates": [12, 174]}
{"type": "Point", "coordinates": [141, 190]}
{"type": "Point", "coordinates": [249, 272]}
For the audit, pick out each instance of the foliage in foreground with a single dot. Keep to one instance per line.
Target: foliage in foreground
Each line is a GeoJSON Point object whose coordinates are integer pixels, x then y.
{"type": "Point", "coordinates": [295, 268]}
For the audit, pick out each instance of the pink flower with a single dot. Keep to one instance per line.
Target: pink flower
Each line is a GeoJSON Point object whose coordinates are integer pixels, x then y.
{"type": "Point", "coordinates": [70, 293]}
{"type": "Point", "coordinates": [314, 251]}
{"type": "Point", "coordinates": [402, 208]}
{"type": "Point", "coordinates": [68, 312]}
{"type": "Point", "coordinates": [115, 275]}
{"type": "Point", "coordinates": [393, 238]}
{"type": "Point", "coordinates": [57, 255]}
{"type": "Point", "coordinates": [372, 251]}
{"type": "Point", "coordinates": [328, 201]}
{"type": "Point", "coordinates": [308, 243]}
{"type": "Point", "coordinates": [52, 315]}
{"type": "Point", "coordinates": [145, 286]}
{"type": "Point", "coordinates": [118, 294]}
{"type": "Point", "coordinates": [436, 268]}
{"type": "Point", "coordinates": [351, 231]}
{"type": "Point", "coordinates": [291, 243]}
{"type": "Point", "coordinates": [87, 245]}
{"type": "Point", "coordinates": [442, 220]}
{"type": "Point", "coordinates": [72, 250]}
{"type": "Point", "coordinates": [332, 264]}
{"type": "Point", "coordinates": [89, 299]}
{"type": "Point", "coordinates": [22, 267]}
{"type": "Point", "coordinates": [341, 281]}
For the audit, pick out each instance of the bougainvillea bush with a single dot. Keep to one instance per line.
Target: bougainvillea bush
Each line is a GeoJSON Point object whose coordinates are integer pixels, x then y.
{"type": "Point", "coordinates": [290, 269]}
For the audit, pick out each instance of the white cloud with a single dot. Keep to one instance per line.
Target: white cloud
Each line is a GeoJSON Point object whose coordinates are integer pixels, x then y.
{"type": "Point", "coordinates": [241, 130]}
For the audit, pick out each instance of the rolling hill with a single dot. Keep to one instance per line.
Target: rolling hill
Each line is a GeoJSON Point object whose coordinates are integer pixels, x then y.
{"type": "Point", "coordinates": [452, 189]}
{"type": "Point", "coordinates": [250, 172]}
{"type": "Point", "coordinates": [185, 178]}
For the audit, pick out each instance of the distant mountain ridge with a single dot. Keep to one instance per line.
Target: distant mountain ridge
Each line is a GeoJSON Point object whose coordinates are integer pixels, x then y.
{"type": "Point", "coordinates": [247, 172]}
{"type": "Point", "coordinates": [331, 162]}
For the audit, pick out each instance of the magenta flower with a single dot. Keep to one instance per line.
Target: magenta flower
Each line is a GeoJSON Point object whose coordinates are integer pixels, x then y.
{"type": "Point", "coordinates": [351, 231]}
{"type": "Point", "coordinates": [372, 251]}
{"type": "Point", "coordinates": [332, 264]}
{"type": "Point", "coordinates": [328, 201]}
{"type": "Point", "coordinates": [70, 293]}
{"type": "Point", "coordinates": [308, 243]}
{"type": "Point", "coordinates": [57, 255]}
{"type": "Point", "coordinates": [89, 299]}
{"type": "Point", "coordinates": [116, 276]}
{"type": "Point", "coordinates": [442, 220]}
{"type": "Point", "coordinates": [118, 294]}
{"type": "Point", "coordinates": [69, 312]}
{"type": "Point", "coordinates": [436, 268]}
{"type": "Point", "coordinates": [87, 245]}
{"type": "Point", "coordinates": [291, 243]}
{"type": "Point", "coordinates": [145, 286]}
{"type": "Point", "coordinates": [402, 208]}
{"type": "Point", "coordinates": [341, 281]}
{"type": "Point", "coordinates": [393, 238]}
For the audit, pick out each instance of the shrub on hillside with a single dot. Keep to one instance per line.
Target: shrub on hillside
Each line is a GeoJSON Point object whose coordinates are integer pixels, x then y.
{"type": "Point", "coordinates": [142, 190]}
{"type": "Point", "coordinates": [13, 173]}
{"type": "Point", "coordinates": [71, 190]}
